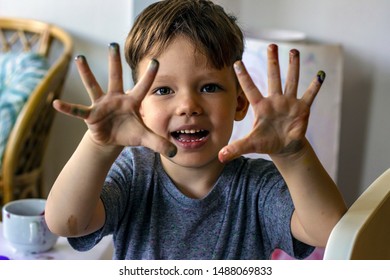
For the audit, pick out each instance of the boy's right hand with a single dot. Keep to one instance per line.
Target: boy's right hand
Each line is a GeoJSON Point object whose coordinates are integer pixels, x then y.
{"type": "Point", "coordinates": [113, 119]}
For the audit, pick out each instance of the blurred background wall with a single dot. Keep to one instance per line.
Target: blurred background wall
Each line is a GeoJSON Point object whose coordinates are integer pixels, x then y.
{"type": "Point", "coordinates": [360, 26]}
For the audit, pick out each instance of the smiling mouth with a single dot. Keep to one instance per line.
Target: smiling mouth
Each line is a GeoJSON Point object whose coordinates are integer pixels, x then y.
{"type": "Point", "coordinates": [190, 135]}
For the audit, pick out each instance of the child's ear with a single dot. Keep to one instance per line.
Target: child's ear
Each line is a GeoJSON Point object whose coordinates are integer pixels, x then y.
{"type": "Point", "coordinates": [242, 105]}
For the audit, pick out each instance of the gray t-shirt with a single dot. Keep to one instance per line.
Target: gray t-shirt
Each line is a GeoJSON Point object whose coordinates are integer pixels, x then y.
{"type": "Point", "coordinates": [246, 215]}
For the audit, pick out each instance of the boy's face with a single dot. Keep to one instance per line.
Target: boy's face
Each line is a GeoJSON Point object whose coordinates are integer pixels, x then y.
{"type": "Point", "coordinates": [191, 104]}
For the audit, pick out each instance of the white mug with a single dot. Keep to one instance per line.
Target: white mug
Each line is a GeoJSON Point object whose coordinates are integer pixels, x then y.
{"type": "Point", "coordinates": [24, 226]}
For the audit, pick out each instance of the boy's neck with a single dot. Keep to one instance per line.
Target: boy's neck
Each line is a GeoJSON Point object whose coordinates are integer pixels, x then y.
{"type": "Point", "coordinates": [193, 182]}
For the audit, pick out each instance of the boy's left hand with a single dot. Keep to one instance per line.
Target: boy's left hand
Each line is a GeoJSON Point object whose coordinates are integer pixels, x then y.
{"type": "Point", "coordinates": [281, 119]}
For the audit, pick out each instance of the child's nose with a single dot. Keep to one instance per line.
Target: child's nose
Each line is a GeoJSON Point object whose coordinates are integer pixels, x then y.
{"type": "Point", "coordinates": [189, 105]}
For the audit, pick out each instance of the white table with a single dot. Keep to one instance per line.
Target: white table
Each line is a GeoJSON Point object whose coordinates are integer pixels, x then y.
{"type": "Point", "coordinates": [61, 251]}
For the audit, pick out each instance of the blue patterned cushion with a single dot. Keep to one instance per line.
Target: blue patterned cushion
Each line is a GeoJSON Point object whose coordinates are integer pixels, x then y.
{"type": "Point", "coordinates": [20, 73]}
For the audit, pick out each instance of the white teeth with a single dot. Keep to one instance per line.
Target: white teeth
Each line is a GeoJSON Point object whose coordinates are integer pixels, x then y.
{"type": "Point", "coordinates": [189, 131]}
{"type": "Point", "coordinates": [189, 141]}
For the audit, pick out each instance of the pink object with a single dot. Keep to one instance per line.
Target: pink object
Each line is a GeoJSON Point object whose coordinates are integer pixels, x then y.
{"type": "Point", "coordinates": [318, 254]}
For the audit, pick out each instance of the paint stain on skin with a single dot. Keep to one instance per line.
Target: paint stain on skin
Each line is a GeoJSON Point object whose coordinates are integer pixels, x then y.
{"type": "Point", "coordinates": [79, 112]}
{"type": "Point", "coordinates": [321, 76]}
{"type": "Point", "coordinates": [114, 47]}
{"type": "Point", "coordinates": [72, 225]}
{"type": "Point", "coordinates": [80, 58]}
{"type": "Point", "coordinates": [293, 54]}
{"type": "Point", "coordinates": [172, 152]}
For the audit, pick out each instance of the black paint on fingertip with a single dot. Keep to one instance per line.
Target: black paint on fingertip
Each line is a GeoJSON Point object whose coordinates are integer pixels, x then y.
{"type": "Point", "coordinates": [153, 64]}
{"type": "Point", "coordinates": [172, 152]}
{"type": "Point", "coordinates": [80, 57]}
{"type": "Point", "coordinates": [114, 45]}
{"type": "Point", "coordinates": [114, 48]}
{"type": "Point", "coordinates": [79, 112]}
{"type": "Point", "coordinates": [321, 76]}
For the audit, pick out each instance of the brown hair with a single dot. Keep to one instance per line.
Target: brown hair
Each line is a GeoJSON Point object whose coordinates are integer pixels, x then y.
{"type": "Point", "coordinates": [212, 31]}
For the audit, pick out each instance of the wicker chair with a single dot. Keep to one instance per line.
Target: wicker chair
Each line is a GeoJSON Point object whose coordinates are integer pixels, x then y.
{"type": "Point", "coordinates": [22, 165]}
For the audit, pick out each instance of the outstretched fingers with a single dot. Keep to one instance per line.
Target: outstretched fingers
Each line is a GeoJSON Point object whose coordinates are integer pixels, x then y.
{"type": "Point", "coordinates": [254, 97]}
{"type": "Point", "coordinates": [235, 149]}
{"type": "Point", "coordinates": [157, 143]}
{"type": "Point", "coordinates": [143, 85]}
{"type": "Point", "coordinates": [314, 87]}
{"type": "Point", "coordinates": [149, 138]}
{"type": "Point", "coordinates": [292, 79]}
{"type": "Point", "coordinates": [273, 71]}
{"type": "Point", "coordinates": [247, 85]}
{"type": "Point", "coordinates": [74, 110]}
{"type": "Point", "coordinates": [115, 79]}
{"type": "Point", "coordinates": [91, 85]}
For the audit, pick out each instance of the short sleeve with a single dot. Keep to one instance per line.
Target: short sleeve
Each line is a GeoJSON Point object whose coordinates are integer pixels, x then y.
{"type": "Point", "coordinates": [116, 198]}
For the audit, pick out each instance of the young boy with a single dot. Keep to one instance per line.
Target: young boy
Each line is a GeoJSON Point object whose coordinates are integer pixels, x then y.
{"type": "Point", "coordinates": [155, 167]}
